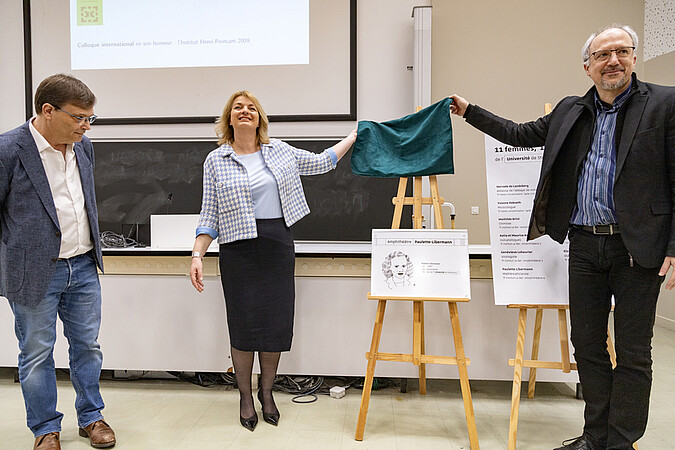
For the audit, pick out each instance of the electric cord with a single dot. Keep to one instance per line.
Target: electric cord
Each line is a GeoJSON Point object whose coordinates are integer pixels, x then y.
{"type": "Point", "coordinates": [114, 240]}
{"type": "Point", "coordinates": [330, 382]}
{"type": "Point", "coordinates": [305, 389]}
{"type": "Point", "coordinates": [207, 379]}
{"type": "Point", "coordinates": [378, 383]}
{"type": "Point", "coordinates": [137, 377]}
{"type": "Point", "coordinates": [301, 386]}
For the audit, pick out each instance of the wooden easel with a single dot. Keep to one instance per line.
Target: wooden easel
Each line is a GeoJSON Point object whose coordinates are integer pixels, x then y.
{"type": "Point", "coordinates": [518, 363]}
{"type": "Point", "coordinates": [418, 356]}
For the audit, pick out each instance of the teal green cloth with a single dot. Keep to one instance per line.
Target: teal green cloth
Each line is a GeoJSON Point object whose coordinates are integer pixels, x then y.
{"type": "Point", "coordinates": [415, 145]}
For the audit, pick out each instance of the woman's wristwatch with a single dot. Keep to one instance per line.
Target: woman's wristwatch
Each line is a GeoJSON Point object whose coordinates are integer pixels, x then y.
{"type": "Point", "coordinates": [197, 255]}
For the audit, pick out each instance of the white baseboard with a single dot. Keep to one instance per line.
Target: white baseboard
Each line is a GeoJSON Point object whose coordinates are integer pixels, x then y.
{"type": "Point", "coordinates": [665, 322]}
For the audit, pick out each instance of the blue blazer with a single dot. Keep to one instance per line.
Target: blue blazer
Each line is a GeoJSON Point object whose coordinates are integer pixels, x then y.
{"type": "Point", "coordinates": [30, 236]}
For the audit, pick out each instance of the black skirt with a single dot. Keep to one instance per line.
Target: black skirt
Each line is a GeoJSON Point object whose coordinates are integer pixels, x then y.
{"type": "Point", "coordinates": [258, 277]}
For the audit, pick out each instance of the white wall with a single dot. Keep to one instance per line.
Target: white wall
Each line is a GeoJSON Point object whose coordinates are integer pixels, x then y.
{"type": "Point", "coordinates": [11, 65]}
{"type": "Point", "coordinates": [159, 322]}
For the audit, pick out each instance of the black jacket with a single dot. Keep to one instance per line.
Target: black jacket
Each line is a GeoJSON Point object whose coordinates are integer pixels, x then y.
{"type": "Point", "coordinates": [644, 184]}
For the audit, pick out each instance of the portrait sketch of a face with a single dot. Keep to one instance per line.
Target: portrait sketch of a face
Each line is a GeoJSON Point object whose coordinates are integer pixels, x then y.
{"type": "Point", "coordinates": [397, 269]}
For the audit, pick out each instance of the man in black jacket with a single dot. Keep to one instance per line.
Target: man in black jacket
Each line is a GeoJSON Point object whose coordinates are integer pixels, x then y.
{"type": "Point", "coordinates": [608, 181]}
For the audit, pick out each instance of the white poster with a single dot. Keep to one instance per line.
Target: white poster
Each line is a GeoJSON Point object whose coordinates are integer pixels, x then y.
{"type": "Point", "coordinates": [523, 272]}
{"type": "Point", "coordinates": [420, 263]}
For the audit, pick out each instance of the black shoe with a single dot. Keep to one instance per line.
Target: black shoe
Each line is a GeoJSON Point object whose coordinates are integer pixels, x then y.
{"type": "Point", "coordinates": [250, 422]}
{"type": "Point", "coordinates": [579, 443]}
{"type": "Point", "coordinates": [271, 418]}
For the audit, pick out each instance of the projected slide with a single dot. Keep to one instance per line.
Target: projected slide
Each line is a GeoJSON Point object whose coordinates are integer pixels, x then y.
{"type": "Point", "coordinates": [132, 34]}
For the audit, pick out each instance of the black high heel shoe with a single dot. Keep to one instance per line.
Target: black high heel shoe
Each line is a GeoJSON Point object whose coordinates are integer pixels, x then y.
{"type": "Point", "coordinates": [271, 418]}
{"type": "Point", "coordinates": [250, 422]}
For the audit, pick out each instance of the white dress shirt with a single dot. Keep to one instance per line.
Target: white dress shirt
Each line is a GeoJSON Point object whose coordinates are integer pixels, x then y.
{"type": "Point", "coordinates": [66, 186]}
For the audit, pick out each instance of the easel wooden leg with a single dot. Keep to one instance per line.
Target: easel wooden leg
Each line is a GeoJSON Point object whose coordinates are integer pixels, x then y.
{"type": "Point", "coordinates": [463, 376]}
{"type": "Point", "coordinates": [417, 333]}
{"type": "Point", "coordinates": [398, 203]}
{"type": "Point", "coordinates": [370, 371]}
{"type": "Point", "coordinates": [517, 372]}
{"type": "Point", "coordinates": [417, 203]}
{"type": "Point", "coordinates": [535, 352]}
{"type": "Point", "coordinates": [423, 367]}
{"type": "Point", "coordinates": [435, 201]}
{"type": "Point", "coordinates": [564, 340]}
{"type": "Point", "coordinates": [610, 348]}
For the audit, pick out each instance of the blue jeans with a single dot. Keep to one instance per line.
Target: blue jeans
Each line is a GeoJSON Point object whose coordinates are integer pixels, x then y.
{"type": "Point", "coordinates": [75, 295]}
{"type": "Point", "coordinates": [617, 400]}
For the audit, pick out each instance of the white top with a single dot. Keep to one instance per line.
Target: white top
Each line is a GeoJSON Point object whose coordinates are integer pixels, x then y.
{"type": "Point", "coordinates": [264, 189]}
{"type": "Point", "coordinates": [66, 186]}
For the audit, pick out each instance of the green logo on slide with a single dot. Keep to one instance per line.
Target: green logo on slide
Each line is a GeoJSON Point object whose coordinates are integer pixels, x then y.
{"type": "Point", "coordinates": [89, 12]}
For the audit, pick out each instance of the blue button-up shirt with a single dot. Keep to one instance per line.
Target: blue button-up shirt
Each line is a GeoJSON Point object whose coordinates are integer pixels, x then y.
{"type": "Point", "coordinates": [595, 189]}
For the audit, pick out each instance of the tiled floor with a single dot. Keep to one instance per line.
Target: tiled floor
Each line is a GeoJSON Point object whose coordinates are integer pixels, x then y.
{"type": "Point", "coordinates": [177, 415]}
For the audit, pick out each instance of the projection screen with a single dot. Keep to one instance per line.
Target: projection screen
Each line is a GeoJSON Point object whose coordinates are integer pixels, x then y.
{"type": "Point", "coordinates": [173, 61]}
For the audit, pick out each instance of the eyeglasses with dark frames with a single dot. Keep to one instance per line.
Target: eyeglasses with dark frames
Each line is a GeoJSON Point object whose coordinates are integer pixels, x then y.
{"type": "Point", "coordinates": [80, 119]}
{"type": "Point", "coordinates": [621, 53]}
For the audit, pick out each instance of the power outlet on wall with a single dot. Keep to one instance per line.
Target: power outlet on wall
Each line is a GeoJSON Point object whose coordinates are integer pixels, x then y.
{"type": "Point", "coordinates": [475, 210]}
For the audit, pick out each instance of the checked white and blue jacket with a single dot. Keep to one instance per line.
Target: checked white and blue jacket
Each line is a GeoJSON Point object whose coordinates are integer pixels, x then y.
{"type": "Point", "coordinates": [227, 204]}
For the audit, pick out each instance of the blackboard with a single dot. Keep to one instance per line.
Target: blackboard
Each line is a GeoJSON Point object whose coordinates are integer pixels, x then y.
{"type": "Point", "coordinates": [137, 179]}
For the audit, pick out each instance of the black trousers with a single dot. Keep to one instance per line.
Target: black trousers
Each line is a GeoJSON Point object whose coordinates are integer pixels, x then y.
{"type": "Point", "coordinates": [617, 400]}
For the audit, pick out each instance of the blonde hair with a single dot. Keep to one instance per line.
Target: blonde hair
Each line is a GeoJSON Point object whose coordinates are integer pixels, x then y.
{"type": "Point", "coordinates": [224, 130]}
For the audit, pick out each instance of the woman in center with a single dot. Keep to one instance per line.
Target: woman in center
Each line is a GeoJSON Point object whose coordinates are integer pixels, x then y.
{"type": "Point", "coordinates": [251, 195]}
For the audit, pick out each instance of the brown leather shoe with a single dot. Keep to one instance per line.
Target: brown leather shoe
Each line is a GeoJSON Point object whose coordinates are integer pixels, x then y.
{"type": "Point", "coordinates": [49, 441]}
{"type": "Point", "coordinates": [100, 434]}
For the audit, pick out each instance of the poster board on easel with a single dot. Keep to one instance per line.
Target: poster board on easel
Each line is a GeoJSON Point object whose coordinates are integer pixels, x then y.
{"type": "Point", "coordinates": [458, 271]}
{"type": "Point", "coordinates": [524, 272]}
{"type": "Point", "coordinates": [420, 263]}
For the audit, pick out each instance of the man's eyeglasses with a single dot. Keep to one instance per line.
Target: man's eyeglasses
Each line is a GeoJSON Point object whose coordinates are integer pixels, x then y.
{"type": "Point", "coordinates": [621, 53]}
{"type": "Point", "coordinates": [80, 119]}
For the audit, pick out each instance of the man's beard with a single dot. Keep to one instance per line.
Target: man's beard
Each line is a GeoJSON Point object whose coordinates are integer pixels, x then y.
{"type": "Point", "coordinates": [613, 85]}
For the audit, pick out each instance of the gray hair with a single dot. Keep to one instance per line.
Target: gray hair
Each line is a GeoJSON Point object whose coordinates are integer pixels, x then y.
{"type": "Point", "coordinates": [585, 55]}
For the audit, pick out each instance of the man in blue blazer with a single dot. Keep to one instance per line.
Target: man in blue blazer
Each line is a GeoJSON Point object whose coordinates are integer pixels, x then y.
{"type": "Point", "coordinates": [49, 253]}
{"type": "Point", "coordinates": [608, 182]}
